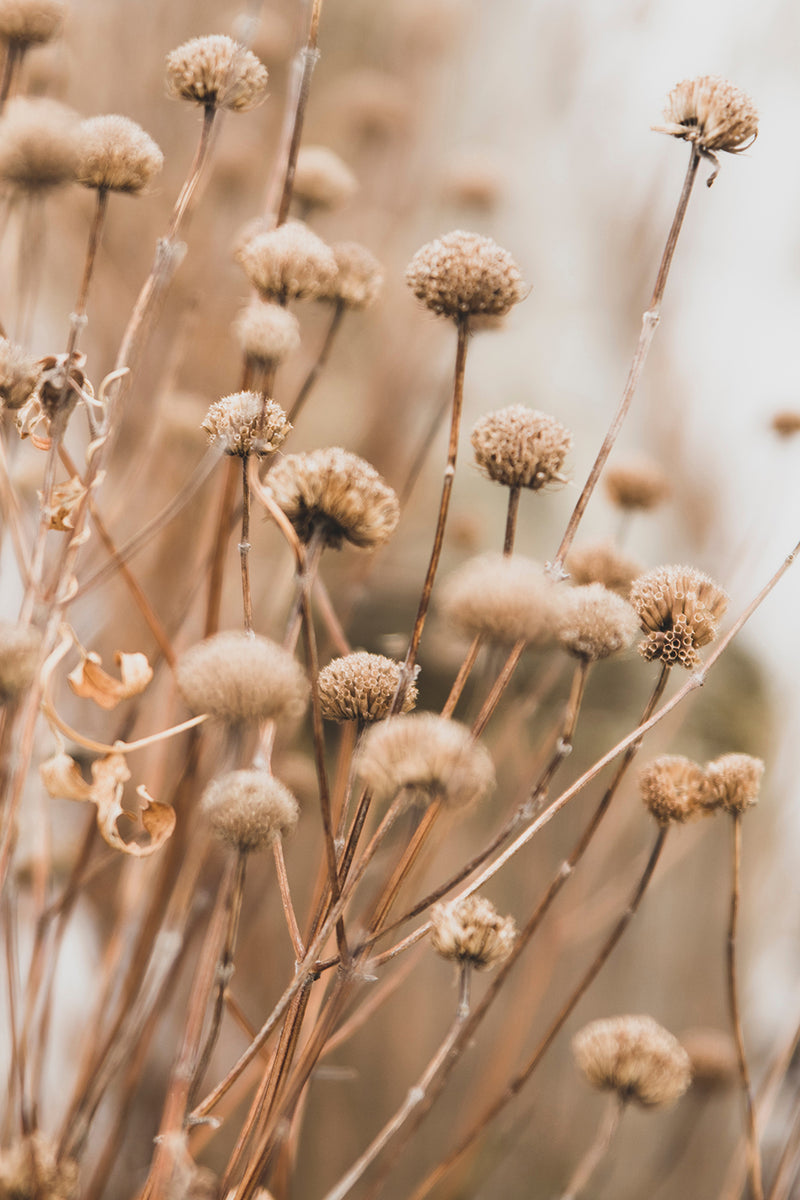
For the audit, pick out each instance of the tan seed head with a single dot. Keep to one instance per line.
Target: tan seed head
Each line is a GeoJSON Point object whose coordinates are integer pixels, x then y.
{"type": "Point", "coordinates": [471, 932]}
{"type": "Point", "coordinates": [31, 22]}
{"type": "Point", "coordinates": [216, 72]}
{"type": "Point", "coordinates": [735, 782]}
{"type": "Point", "coordinates": [359, 277]}
{"type": "Point", "coordinates": [321, 179]}
{"type": "Point", "coordinates": [19, 374]}
{"type": "Point", "coordinates": [679, 609]}
{"type": "Point", "coordinates": [31, 1170]}
{"type": "Point", "coordinates": [244, 424]}
{"type": "Point", "coordinates": [114, 153]}
{"type": "Point", "coordinates": [786, 422]}
{"type": "Point", "coordinates": [593, 623]}
{"type": "Point", "coordinates": [674, 789]}
{"type": "Point", "coordinates": [465, 274]}
{"type": "Point", "coordinates": [602, 562]}
{"type": "Point", "coordinates": [38, 145]}
{"type": "Point", "coordinates": [288, 263]}
{"type": "Point", "coordinates": [501, 598]}
{"type": "Point", "coordinates": [241, 677]}
{"type": "Point", "coordinates": [636, 484]}
{"type": "Point", "coordinates": [19, 658]}
{"type": "Point", "coordinates": [635, 1057]}
{"type": "Point", "coordinates": [711, 112]}
{"type": "Point", "coordinates": [520, 447]}
{"type": "Point", "coordinates": [267, 332]}
{"type": "Point", "coordinates": [249, 809]}
{"type": "Point", "coordinates": [361, 687]}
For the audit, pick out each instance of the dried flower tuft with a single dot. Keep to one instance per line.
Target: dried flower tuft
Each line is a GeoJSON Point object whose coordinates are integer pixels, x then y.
{"type": "Point", "coordinates": [678, 608]}
{"type": "Point", "coordinates": [115, 154]}
{"type": "Point", "coordinates": [471, 931]}
{"type": "Point", "coordinates": [635, 1057]}
{"type": "Point", "coordinates": [31, 22]}
{"type": "Point", "coordinates": [715, 1062]}
{"type": "Point", "coordinates": [594, 622]}
{"type": "Point", "coordinates": [19, 374]}
{"type": "Point", "coordinates": [372, 105]}
{"type": "Point", "coordinates": [19, 658]}
{"type": "Point", "coordinates": [217, 72]}
{"type": "Point", "coordinates": [359, 276]}
{"type": "Point", "coordinates": [31, 1170]}
{"type": "Point", "coordinates": [520, 447]}
{"type": "Point", "coordinates": [38, 146]}
{"type": "Point", "coordinates": [249, 809]}
{"type": "Point", "coordinates": [636, 484]}
{"type": "Point", "coordinates": [602, 562]}
{"type": "Point", "coordinates": [501, 598]}
{"type": "Point", "coordinates": [465, 274]}
{"type": "Point", "coordinates": [244, 424]}
{"type": "Point", "coordinates": [712, 113]}
{"type": "Point", "coordinates": [674, 789]}
{"type": "Point", "coordinates": [241, 677]}
{"type": "Point", "coordinates": [321, 179]}
{"type": "Point", "coordinates": [267, 332]}
{"type": "Point", "coordinates": [288, 263]}
{"type": "Point", "coordinates": [735, 781]}
{"type": "Point", "coordinates": [361, 687]}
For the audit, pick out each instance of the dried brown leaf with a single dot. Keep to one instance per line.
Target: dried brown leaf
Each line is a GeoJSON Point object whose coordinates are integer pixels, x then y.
{"type": "Point", "coordinates": [62, 778]}
{"type": "Point", "coordinates": [158, 820]}
{"type": "Point", "coordinates": [91, 682]}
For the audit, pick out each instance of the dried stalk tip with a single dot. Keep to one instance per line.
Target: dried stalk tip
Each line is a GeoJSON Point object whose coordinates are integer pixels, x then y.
{"type": "Point", "coordinates": [426, 757]}
{"type": "Point", "coordinates": [520, 447]}
{"type": "Point", "coordinates": [337, 495]}
{"type": "Point", "coordinates": [712, 113]}
{"type": "Point", "coordinates": [288, 263]}
{"type": "Point", "coordinates": [19, 375]}
{"type": "Point", "coordinates": [679, 609]}
{"type": "Point", "coordinates": [249, 809]}
{"type": "Point", "coordinates": [713, 1057]}
{"type": "Point", "coordinates": [637, 484]}
{"type": "Point", "coordinates": [241, 677]}
{"type": "Point", "coordinates": [30, 1170]}
{"type": "Point", "coordinates": [19, 658]}
{"type": "Point", "coordinates": [217, 72]}
{"type": "Point", "coordinates": [470, 931]}
{"type": "Point", "coordinates": [674, 789]}
{"type": "Point", "coordinates": [359, 277]}
{"type": "Point", "coordinates": [31, 22]}
{"type": "Point", "coordinates": [321, 179]}
{"type": "Point", "coordinates": [734, 782]}
{"type": "Point", "coordinates": [594, 623]}
{"type": "Point", "coordinates": [245, 424]}
{"type": "Point", "coordinates": [267, 333]}
{"type": "Point", "coordinates": [635, 1057]}
{"type": "Point", "coordinates": [602, 562]}
{"type": "Point", "coordinates": [786, 422]}
{"type": "Point", "coordinates": [465, 274]}
{"type": "Point", "coordinates": [115, 154]}
{"type": "Point", "coordinates": [38, 145]}
{"type": "Point", "coordinates": [361, 687]}
{"type": "Point", "coordinates": [501, 599]}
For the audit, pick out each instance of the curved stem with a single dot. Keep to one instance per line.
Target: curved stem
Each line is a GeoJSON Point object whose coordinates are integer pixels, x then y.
{"type": "Point", "coordinates": [598, 1149]}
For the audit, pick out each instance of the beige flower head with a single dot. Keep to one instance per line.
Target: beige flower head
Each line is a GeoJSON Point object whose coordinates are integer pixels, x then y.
{"type": "Point", "coordinates": [602, 562]}
{"type": "Point", "coordinates": [465, 274]}
{"type": "Point", "coordinates": [267, 333]}
{"type": "Point", "coordinates": [216, 72]}
{"type": "Point", "coordinates": [674, 789]}
{"type": "Point", "coordinates": [520, 447]}
{"type": "Point", "coordinates": [19, 658]}
{"type": "Point", "coordinates": [288, 263]}
{"type": "Point", "coordinates": [471, 932]}
{"type": "Point", "coordinates": [713, 114]}
{"type": "Point", "coordinates": [361, 687]}
{"type": "Point", "coordinates": [38, 145]}
{"type": "Point", "coordinates": [321, 179]}
{"type": "Point", "coordinates": [636, 1058]}
{"type": "Point", "coordinates": [359, 277]}
{"type": "Point", "coordinates": [31, 1169]}
{"type": "Point", "coordinates": [115, 154]}
{"type": "Point", "coordinates": [593, 623]}
{"type": "Point", "coordinates": [19, 374]}
{"type": "Point", "coordinates": [249, 809]}
{"type": "Point", "coordinates": [501, 598]}
{"type": "Point", "coordinates": [735, 782]}
{"type": "Point", "coordinates": [679, 609]}
{"type": "Point", "coordinates": [244, 424]}
{"type": "Point", "coordinates": [31, 22]}
{"type": "Point", "coordinates": [241, 677]}
{"type": "Point", "coordinates": [636, 484]}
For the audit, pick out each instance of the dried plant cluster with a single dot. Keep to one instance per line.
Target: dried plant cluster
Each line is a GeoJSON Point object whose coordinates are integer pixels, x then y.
{"type": "Point", "coordinates": [336, 758]}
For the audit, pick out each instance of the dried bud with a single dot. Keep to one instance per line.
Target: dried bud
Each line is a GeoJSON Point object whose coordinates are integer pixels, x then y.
{"type": "Point", "coordinates": [336, 494]}
{"type": "Point", "coordinates": [602, 562]}
{"type": "Point", "coordinates": [520, 447]}
{"type": "Point", "coordinates": [288, 263]}
{"type": "Point", "coordinates": [217, 72]}
{"type": "Point", "coordinates": [249, 809]}
{"type": "Point", "coordinates": [19, 658]}
{"type": "Point", "coordinates": [241, 677]}
{"type": "Point", "coordinates": [465, 274]}
{"type": "Point", "coordinates": [712, 113]}
{"type": "Point", "coordinates": [786, 422]}
{"type": "Point", "coordinates": [359, 276]}
{"type": "Point", "coordinates": [734, 782]}
{"type": "Point", "coordinates": [245, 424]}
{"type": "Point", "coordinates": [503, 599]}
{"type": "Point", "coordinates": [19, 375]}
{"type": "Point", "coordinates": [116, 154]}
{"type": "Point", "coordinates": [714, 1060]}
{"type": "Point", "coordinates": [594, 622]}
{"type": "Point", "coordinates": [637, 484]}
{"type": "Point", "coordinates": [471, 932]}
{"type": "Point", "coordinates": [361, 687]}
{"type": "Point", "coordinates": [674, 789]}
{"type": "Point", "coordinates": [38, 147]}
{"type": "Point", "coordinates": [678, 608]}
{"type": "Point", "coordinates": [31, 22]}
{"type": "Point", "coordinates": [267, 332]}
{"type": "Point", "coordinates": [31, 1170]}
{"type": "Point", "coordinates": [321, 179]}
{"type": "Point", "coordinates": [635, 1057]}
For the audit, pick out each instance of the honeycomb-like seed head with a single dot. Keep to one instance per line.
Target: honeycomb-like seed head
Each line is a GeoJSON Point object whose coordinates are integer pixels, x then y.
{"type": "Point", "coordinates": [249, 809]}
{"type": "Point", "coordinates": [321, 179]}
{"type": "Point", "coordinates": [19, 374]}
{"type": "Point", "coordinates": [602, 562]}
{"type": "Point", "coordinates": [674, 789]}
{"type": "Point", "coordinates": [594, 623]}
{"type": "Point", "coordinates": [19, 658]}
{"type": "Point", "coordinates": [472, 932]}
{"type": "Point", "coordinates": [361, 687]}
{"type": "Point", "coordinates": [501, 598]}
{"type": "Point", "coordinates": [636, 484]}
{"type": "Point", "coordinates": [734, 782]}
{"type": "Point", "coordinates": [711, 112]}
{"type": "Point", "coordinates": [465, 274]}
{"type": "Point", "coordinates": [679, 610]}
{"type": "Point", "coordinates": [216, 72]}
{"type": "Point", "coordinates": [714, 1060]}
{"type": "Point", "coordinates": [359, 276]}
{"type": "Point", "coordinates": [635, 1057]}
{"type": "Point", "coordinates": [520, 447]}
{"type": "Point", "coordinates": [38, 145]}
{"type": "Point", "coordinates": [266, 332]}
{"type": "Point", "coordinates": [288, 263]}
{"type": "Point", "coordinates": [241, 677]}
{"type": "Point", "coordinates": [115, 154]}
{"type": "Point", "coordinates": [244, 424]}
{"type": "Point", "coordinates": [31, 22]}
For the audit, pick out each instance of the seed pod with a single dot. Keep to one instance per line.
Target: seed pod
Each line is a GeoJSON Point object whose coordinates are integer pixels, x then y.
{"type": "Point", "coordinates": [241, 677]}
{"type": "Point", "coordinates": [635, 1057]}
{"type": "Point", "coordinates": [249, 809]}
{"type": "Point", "coordinates": [470, 931]}
{"type": "Point", "coordinates": [465, 274]}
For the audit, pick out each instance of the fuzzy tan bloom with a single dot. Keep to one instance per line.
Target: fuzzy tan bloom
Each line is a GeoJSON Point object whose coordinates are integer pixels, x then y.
{"type": "Point", "coordinates": [712, 113]}
{"type": "Point", "coordinates": [426, 757]}
{"type": "Point", "coordinates": [38, 145]}
{"type": "Point", "coordinates": [465, 274]}
{"type": "Point", "coordinates": [116, 154]}
{"type": "Point", "coordinates": [31, 22]}
{"type": "Point", "coordinates": [321, 179]}
{"type": "Point", "coordinates": [635, 1057]}
{"type": "Point", "coordinates": [786, 422]}
{"type": "Point", "coordinates": [501, 598]}
{"type": "Point", "coordinates": [19, 658]}
{"type": "Point", "coordinates": [249, 809]}
{"type": "Point", "coordinates": [217, 72]}
{"type": "Point", "coordinates": [520, 447]}
{"type": "Point", "coordinates": [636, 484]}
{"type": "Point", "coordinates": [735, 781]}
{"type": "Point", "coordinates": [714, 1060]}
{"type": "Point", "coordinates": [288, 263]}
{"type": "Point", "coordinates": [472, 932]}
{"type": "Point", "coordinates": [359, 276]}
{"type": "Point", "coordinates": [337, 494]}
{"type": "Point", "coordinates": [602, 562]}
{"type": "Point", "coordinates": [371, 105]}
{"type": "Point", "coordinates": [593, 622]}
{"type": "Point", "coordinates": [241, 677]}
{"type": "Point", "coordinates": [243, 424]}
{"type": "Point", "coordinates": [30, 1170]}
{"type": "Point", "coordinates": [679, 609]}
{"type": "Point", "coordinates": [267, 332]}
{"type": "Point", "coordinates": [674, 789]}
{"type": "Point", "coordinates": [361, 687]}
{"type": "Point", "coordinates": [19, 374]}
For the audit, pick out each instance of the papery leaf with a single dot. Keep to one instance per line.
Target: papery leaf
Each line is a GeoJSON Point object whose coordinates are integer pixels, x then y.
{"type": "Point", "coordinates": [158, 820]}
{"type": "Point", "coordinates": [62, 778]}
{"type": "Point", "coordinates": [91, 682]}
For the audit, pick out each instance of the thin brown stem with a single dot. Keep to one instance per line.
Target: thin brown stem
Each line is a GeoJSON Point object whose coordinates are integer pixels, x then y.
{"type": "Point", "coordinates": [308, 59]}
{"type": "Point", "coordinates": [217, 572]}
{"type": "Point", "coordinates": [498, 687]}
{"type": "Point", "coordinates": [244, 550]}
{"type": "Point", "coordinates": [319, 364]}
{"type": "Point", "coordinates": [511, 519]}
{"type": "Point", "coordinates": [461, 678]}
{"type": "Point", "coordinates": [11, 65]}
{"type": "Point", "coordinates": [598, 1149]}
{"type": "Point", "coordinates": [286, 900]}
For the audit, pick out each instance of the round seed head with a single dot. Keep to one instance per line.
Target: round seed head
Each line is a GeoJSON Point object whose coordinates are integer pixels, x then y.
{"type": "Point", "coordinates": [336, 493]}
{"type": "Point", "coordinates": [711, 112]}
{"type": "Point", "coordinates": [594, 622]}
{"type": "Point", "coordinates": [115, 153]}
{"type": "Point", "coordinates": [248, 809]}
{"type": "Point", "coordinates": [243, 424]}
{"type": "Point", "coordinates": [471, 931]}
{"type": "Point", "coordinates": [427, 757]}
{"type": "Point", "coordinates": [678, 609]}
{"type": "Point", "coordinates": [635, 1057]}
{"type": "Point", "coordinates": [601, 562]}
{"type": "Point", "coordinates": [19, 659]}
{"type": "Point", "coordinates": [288, 263]}
{"type": "Point", "coordinates": [735, 781]}
{"type": "Point", "coordinates": [786, 422]}
{"type": "Point", "coordinates": [465, 274]}
{"type": "Point", "coordinates": [240, 677]}
{"type": "Point", "coordinates": [359, 276]}
{"type": "Point", "coordinates": [38, 145]}
{"type": "Point", "coordinates": [713, 1057]}
{"type": "Point", "coordinates": [321, 179]}
{"type": "Point", "coordinates": [217, 72]}
{"type": "Point", "coordinates": [637, 484]}
{"type": "Point", "coordinates": [31, 1170]}
{"type": "Point", "coordinates": [674, 789]}
{"type": "Point", "coordinates": [30, 22]}
{"type": "Point", "coordinates": [501, 598]}
{"type": "Point", "coordinates": [361, 687]}
{"type": "Point", "coordinates": [520, 447]}
{"type": "Point", "coordinates": [19, 374]}
{"type": "Point", "coordinates": [267, 332]}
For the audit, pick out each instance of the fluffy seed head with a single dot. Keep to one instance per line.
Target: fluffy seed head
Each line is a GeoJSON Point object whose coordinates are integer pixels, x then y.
{"type": "Point", "coordinates": [115, 153]}
{"type": "Point", "coordinates": [30, 22]}
{"type": "Point", "coordinates": [465, 274]}
{"type": "Point", "coordinates": [267, 332]}
{"type": "Point", "coordinates": [674, 789]}
{"type": "Point", "coordinates": [520, 447]}
{"type": "Point", "coordinates": [594, 622]}
{"type": "Point", "coordinates": [321, 179]}
{"type": "Point", "coordinates": [288, 263]}
{"type": "Point", "coordinates": [711, 112]}
{"type": "Point", "coordinates": [217, 72]}
{"type": "Point", "coordinates": [359, 276]}
{"type": "Point", "coordinates": [602, 562]}
{"type": "Point", "coordinates": [635, 1057]}
{"type": "Point", "coordinates": [241, 677]}
{"type": "Point", "coordinates": [471, 931]}
{"type": "Point", "coordinates": [735, 781]}
{"type": "Point", "coordinates": [336, 493]}
{"type": "Point", "coordinates": [636, 484]}
{"type": "Point", "coordinates": [361, 687]}
{"type": "Point", "coordinates": [19, 658]}
{"type": "Point", "coordinates": [243, 424]}
{"type": "Point", "coordinates": [248, 809]}
{"type": "Point", "coordinates": [19, 374]}
{"type": "Point", "coordinates": [31, 1170]}
{"type": "Point", "coordinates": [715, 1063]}
{"type": "Point", "coordinates": [427, 757]}
{"type": "Point", "coordinates": [501, 598]}
{"type": "Point", "coordinates": [679, 609]}
{"type": "Point", "coordinates": [38, 145]}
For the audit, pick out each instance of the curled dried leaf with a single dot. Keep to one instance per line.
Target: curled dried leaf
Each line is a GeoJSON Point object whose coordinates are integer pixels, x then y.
{"type": "Point", "coordinates": [62, 778]}
{"type": "Point", "coordinates": [110, 775]}
{"type": "Point", "coordinates": [91, 682]}
{"type": "Point", "coordinates": [66, 497]}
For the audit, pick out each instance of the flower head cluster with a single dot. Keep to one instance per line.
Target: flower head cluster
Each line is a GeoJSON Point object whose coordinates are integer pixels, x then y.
{"type": "Point", "coordinates": [635, 1057]}
{"type": "Point", "coordinates": [31, 22]}
{"type": "Point", "coordinates": [636, 484]}
{"type": "Point", "coordinates": [734, 782]}
{"type": "Point", "coordinates": [679, 609]}
{"type": "Point", "coordinates": [520, 447]}
{"type": "Point", "coordinates": [602, 562]}
{"type": "Point", "coordinates": [321, 179]}
{"type": "Point", "coordinates": [465, 274]}
{"type": "Point", "coordinates": [244, 424]}
{"type": "Point", "coordinates": [248, 809]}
{"type": "Point", "coordinates": [241, 677]}
{"type": "Point", "coordinates": [361, 687]}
{"type": "Point", "coordinates": [359, 276]}
{"type": "Point", "coordinates": [288, 263]}
{"type": "Point", "coordinates": [216, 72]}
{"type": "Point", "coordinates": [501, 598]}
{"type": "Point", "coordinates": [711, 112]}
{"type": "Point", "coordinates": [267, 333]}
{"type": "Point", "coordinates": [593, 622]}
{"type": "Point", "coordinates": [674, 789]}
{"type": "Point", "coordinates": [471, 932]}
{"type": "Point", "coordinates": [38, 145]}
{"type": "Point", "coordinates": [115, 154]}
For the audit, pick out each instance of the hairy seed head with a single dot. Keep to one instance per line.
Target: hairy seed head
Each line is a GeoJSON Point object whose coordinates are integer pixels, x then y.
{"type": "Point", "coordinates": [674, 789]}
{"type": "Point", "coordinates": [635, 1057]}
{"type": "Point", "coordinates": [786, 422]}
{"type": "Point", "coordinates": [267, 332]}
{"type": "Point", "coordinates": [241, 677]}
{"type": "Point", "coordinates": [19, 374]}
{"type": "Point", "coordinates": [636, 484]}
{"type": "Point", "coordinates": [38, 145]}
{"type": "Point", "coordinates": [19, 658]}
{"type": "Point", "coordinates": [735, 782]}
{"type": "Point", "coordinates": [249, 809]}
{"type": "Point", "coordinates": [602, 562]}
{"type": "Point", "coordinates": [520, 447]}
{"type": "Point", "coordinates": [359, 276]}
{"type": "Point", "coordinates": [361, 687]}
{"type": "Point", "coordinates": [31, 1170]}
{"type": "Point", "coordinates": [679, 609]}
{"type": "Point", "coordinates": [594, 622]}
{"type": "Point", "coordinates": [244, 424]}
{"type": "Point", "coordinates": [31, 22]}
{"type": "Point", "coordinates": [216, 72]}
{"type": "Point", "coordinates": [116, 154]}
{"type": "Point", "coordinates": [288, 263]}
{"type": "Point", "coordinates": [712, 113]}
{"type": "Point", "coordinates": [321, 179]}
{"type": "Point", "coordinates": [472, 932]}
{"type": "Point", "coordinates": [465, 274]}
{"type": "Point", "coordinates": [501, 598]}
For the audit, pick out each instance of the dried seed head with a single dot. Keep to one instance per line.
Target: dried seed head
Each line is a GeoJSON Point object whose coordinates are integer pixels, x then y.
{"type": "Point", "coordinates": [337, 494]}
{"type": "Point", "coordinates": [240, 677]}
{"type": "Point", "coordinates": [602, 562]}
{"type": "Point", "coordinates": [520, 447]}
{"type": "Point", "coordinates": [288, 263]}
{"type": "Point", "coordinates": [638, 483]}
{"type": "Point", "coordinates": [115, 153]}
{"type": "Point", "coordinates": [361, 687]}
{"type": "Point", "coordinates": [38, 146]}
{"type": "Point", "coordinates": [786, 422]}
{"type": "Point", "coordinates": [249, 809]}
{"type": "Point", "coordinates": [30, 1170]}
{"type": "Point", "coordinates": [712, 113]}
{"type": "Point", "coordinates": [713, 1057]}
{"type": "Point", "coordinates": [674, 789]}
{"type": "Point", "coordinates": [734, 781]}
{"type": "Point", "coordinates": [244, 424]}
{"type": "Point", "coordinates": [471, 931]}
{"type": "Point", "coordinates": [19, 658]}
{"type": "Point", "coordinates": [426, 757]}
{"type": "Point", "coordinates": [29, 22]}
{"type": "Point", "coordinates": [359, 276]}
{"type": "Point", "coordinates": [217, 72]}
{"type": "Point", "coordinates": [502, 599]}
{"type": "Point", "coordinates": [321, 179]}
{"type": "Point", "coordinates": [465, 274]}
{"type": "Point", "coordinates": [678, 609]}
{"type": "Point", "coordinates": [635, 1057]}
{"type": "Point", "coordinates": [19, 375]}
{"type": "Point", "coordinates": [594, 622]}
{"type": "Point", "coordinates": [267, 332]}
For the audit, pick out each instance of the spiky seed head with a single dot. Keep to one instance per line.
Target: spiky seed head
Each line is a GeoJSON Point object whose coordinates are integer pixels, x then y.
{"type": "Point", "coordinates": [216, 72]}
{"type": "Point", "coordinates": [713, 1057]}
{"type": "Point", "coordinates": [636, 484]}
{"type": "Point", "coordinates": [472, 932]}
{"type": "Point", "coordinates": [427, 758]}
{"type": "Point", "coordinates": [594, 622]}
{"type": "Point", "coordinates": [635, 1057]}
{"type": "Point", "coordinates": [602, 562]}
{"type": "Point", "coordinates": [679, 610]}
{"type": "Point", "coordinates": [31, 1170]}
{"type": "Point", "coordinates": [38, 145]}
{"type": "Point", "coordinates": [245, 424]}
{"type": "Point", "coordinates": [249, 809]}
{"type": "Point", "coordinates": [19, 658]}
{"type": "Point", "coordinates": [241, 677]}
{"type": "Point", "coordinates": [786, 422]}
{"type": "Point", "coordinates": [288, 263]}
{"type": "Point", "coordinates": [501, 598]}
{"type": "Point", "coordinates": [116, 154]}
{"type": "Point", "coordinates": [674, 789]}
{"type": "Point", "coordinates": [361, 687]}
{"type": "Point", "coordinates": [734, 782]}
{"type": "Point", "coordinates": [321, 179]}
{"type": "Point", "coordinates": [359, 276]}
{"type": "Point", "coordinates": [520, 447]}
{"type": "Point", "coordinates": [19, 374]}
{"type": "Point", "coordinates": [337, 494]}
{"type": "Point", "coordinates": [267, 332]}
{"type": "Point", "coordinates": [711, 112]}
{"type": "Point", "coordinates": [31, 22]}
{"type": "Point", "coordinates": [465, 274]}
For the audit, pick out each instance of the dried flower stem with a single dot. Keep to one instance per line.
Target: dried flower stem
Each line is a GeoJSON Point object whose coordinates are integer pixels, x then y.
{"type": "Point", "coordinates": [13, 61]}
{"type": "Point", "coordinates": [244, 550]}
{"type": "Point", "coordinates": [304, 65]}
{"type": "Point", "coordinates": [598, 1149]}
{"type": "Point", "coordinates": [286, 899]}
{"type": "Point", "coordinates": [788, 1164]}
{"type": "Point", "coordinates": [511, 518]}
{"type": "Point", "coordinates": [217, 572]}
{"type": "Point", "coordinates": [498, 687]}
{"type": "Point", "coordinates": [320, 362]}
{"type": "Point", "coordinates": [461, 678]}
{"type": "Point", "coordinates": [404, 866]}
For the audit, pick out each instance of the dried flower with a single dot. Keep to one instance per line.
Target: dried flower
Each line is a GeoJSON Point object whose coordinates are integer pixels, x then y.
{"type": "Point", "coordinates": [712, 113]}
{"type": "Point", "coordinates": [465, 274]}
{"type": "Point", "coordinates": [336, 494]}
{"type": "Point", "coordinates": [19, 658]}
{"type": "Point", "coordinates": [241, 677]}
{"type": "Point", "coordinates": [470, 931]}
{"type": "Point", "coordinates": [593, 622]}
{"type": "Point", "coordinates": [249, 809]}
{"type": "Point", "coordinates": [267, 332]}
{"type": "Point", "coordinates": [735, 781]}
{"type": "Point", "coordinates": [674, 789]}
{"type": "Point", "coordinates": [359, 276]}
{"type": "Point", "coordinates": [637, 483]}
{"type": "Point", "coordinates": [31, 1170]}
{"type": "Point", "coordinates": [635, 1057]}
{"type": "Point", "coordinates": [245, 424]}
{"type": "Point", "coordinates": [361, 687]}
{"type": "Point", "coordinates": [288, 263]}
{"type": "Point", "coordinates": [38, 146]}
{"type": "Point", "coordinates": [116, 154]}
{"type": "Point", "coordinates": [217, 72]}
{"type": "Point", "coordinates": [427, 757]}
{"type": "Point", "coordinates": [19, 374]}
{"type": "Point", "coordinates": [501, 598]}
{"type": "Point", "coordinates": [31, 22]}
{"type": "Point", "coordinates": [678, 609]}
{"type": "Point", "coordinates": [786, 422]}
{"type": "Point", "coordinates": [713, 1057]}
{"type": "Point", "coordinates": [602, 562]}
{"type": "Point", "coordinates": [321, 179]}
{"type": "Point", "coordinates": [372, 105]}
{"type": "Point", "coordinates": [520, 447]}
